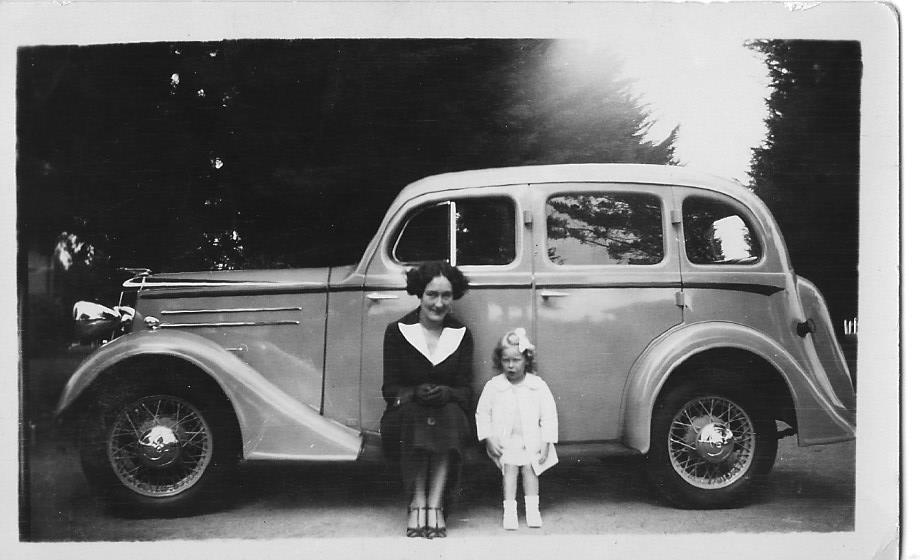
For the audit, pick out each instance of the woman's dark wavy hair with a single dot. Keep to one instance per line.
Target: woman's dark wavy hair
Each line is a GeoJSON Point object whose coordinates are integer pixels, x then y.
{"type": "Point", "coordinates": [419, 277]}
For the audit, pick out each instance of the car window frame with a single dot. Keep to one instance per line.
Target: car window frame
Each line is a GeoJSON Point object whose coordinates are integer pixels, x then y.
{"type": "Point", "coordinates": [742, 210]}
{"type": "Point", "coordinates": [391, 241]}
{"type": "Point", "coordinates": [660, 192]}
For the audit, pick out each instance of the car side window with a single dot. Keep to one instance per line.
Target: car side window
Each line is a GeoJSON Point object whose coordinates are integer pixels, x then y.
{"type": "Point", "coordinates": [468, 231]}
{"type": "Point", "coordinates": [604, 228]}
{"type": "Point", "coordinates": [718, 233]}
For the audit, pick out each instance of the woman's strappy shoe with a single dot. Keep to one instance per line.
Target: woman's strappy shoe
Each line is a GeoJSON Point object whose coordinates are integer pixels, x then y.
{"type": "Point", "coordinates": [437, 526]}
{"type": "Point", "coordinates": [416, 518]}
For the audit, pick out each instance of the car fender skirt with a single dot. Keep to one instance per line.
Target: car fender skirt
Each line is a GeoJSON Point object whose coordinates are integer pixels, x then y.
{"type": "Point", "coordinates": [820, 416]}
{"type": "Point", "coordinates": [273, 425]}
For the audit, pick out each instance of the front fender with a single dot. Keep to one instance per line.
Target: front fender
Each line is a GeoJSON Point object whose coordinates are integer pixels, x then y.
{"type": "Point", "coordinates": [273, 425]}
{"type": "Point", "coordinates": [821, 417]}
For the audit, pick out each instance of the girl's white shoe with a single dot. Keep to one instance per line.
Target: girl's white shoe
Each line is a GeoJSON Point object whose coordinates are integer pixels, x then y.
{"type": "Point", "coordinates": [532, 511]}
{"type": "Point", "coordinates": [510, 519]}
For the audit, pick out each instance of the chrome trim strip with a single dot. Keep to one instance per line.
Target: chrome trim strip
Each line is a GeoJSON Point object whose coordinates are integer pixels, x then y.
{"type": "Point", "coordinates": [473, 285]}
{"type": "Point", "coordinates": [231, 290]}
{"type": "Point", "coordinates": [377, 297]}
{"type": "Point", "coordinates": [226, 324]}
{"type": "Point", "coordinates": [146, 284]}
{"type": "Point", "coordinates": [611, 284]}
{"type": "Point", "coordinates": [236, 310]}
{"type": "Point", "coordinates": [762, 289]}
{"type": "Point", "coordinates": [267, 456]}
{"type": "Point", "coordinates": [453, 233]}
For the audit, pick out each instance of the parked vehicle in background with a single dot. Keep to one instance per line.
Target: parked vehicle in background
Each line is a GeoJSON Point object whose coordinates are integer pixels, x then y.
{"type": "Point", "coordinates": [668, 319]}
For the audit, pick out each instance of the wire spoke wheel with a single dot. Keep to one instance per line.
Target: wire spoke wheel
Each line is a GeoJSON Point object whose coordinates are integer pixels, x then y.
{"type": "Point", "coordinates": [711, 442]}
{"type": "Point", "coordinates": [159, 446]}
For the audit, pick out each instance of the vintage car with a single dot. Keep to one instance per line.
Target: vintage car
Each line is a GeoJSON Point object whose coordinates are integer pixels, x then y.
{"type": "Point", "coordinates": [667, 318]}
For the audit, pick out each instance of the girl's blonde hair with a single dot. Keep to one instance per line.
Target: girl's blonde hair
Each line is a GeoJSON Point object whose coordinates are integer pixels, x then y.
{"type": "Point", "coordinates": [518, 340]}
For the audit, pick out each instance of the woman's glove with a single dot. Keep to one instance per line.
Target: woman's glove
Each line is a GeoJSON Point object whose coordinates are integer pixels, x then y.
{"type": "Point", "coordinates": [429, 393]}
{"type": "Point", "coordinates": [441, 394]}
{"type": "Point", "coordinates": [422, 391]}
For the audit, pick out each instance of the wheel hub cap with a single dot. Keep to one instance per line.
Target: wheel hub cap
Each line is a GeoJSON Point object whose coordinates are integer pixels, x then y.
{"type": "Point", "coordinates": [715, 442]}
{"type": "Point", "coordinates": [711, 442]}
{"type": "Point", "coordinates": [160, 447]}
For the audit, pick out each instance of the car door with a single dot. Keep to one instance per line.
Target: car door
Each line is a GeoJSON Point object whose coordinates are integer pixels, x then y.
{"type": "Point", "coordinates": [607, 282]}
{"type": "Point", "coordinates": [481, 231]}
{"type": "Point", "coordinates": [731, 268]}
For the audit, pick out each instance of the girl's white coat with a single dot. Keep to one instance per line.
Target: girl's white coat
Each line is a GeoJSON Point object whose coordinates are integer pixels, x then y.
{"type": "Point", "coordinates": [495, 415]}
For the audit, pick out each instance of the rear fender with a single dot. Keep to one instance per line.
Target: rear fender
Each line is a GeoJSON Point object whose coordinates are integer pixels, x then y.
{"type": "Point", "coordinates": [821, 417]}
{"type": "Point", "coordinates": [273, 425]}
{"type": "Point", "coordinates": [823, 348]}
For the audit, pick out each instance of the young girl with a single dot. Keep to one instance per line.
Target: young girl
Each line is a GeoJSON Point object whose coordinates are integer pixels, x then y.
{"type": "Point", "coordinates": [516, 416]}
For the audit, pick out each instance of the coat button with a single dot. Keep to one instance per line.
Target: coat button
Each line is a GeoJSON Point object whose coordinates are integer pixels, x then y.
{"type": "Point", "coordinates": [431, 421]}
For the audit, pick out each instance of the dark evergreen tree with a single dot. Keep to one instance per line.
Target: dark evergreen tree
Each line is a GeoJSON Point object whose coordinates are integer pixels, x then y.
{"type": "Point", "coordinates": [807, 171]}
{"type": "Point", "coordinates": [231, 154]}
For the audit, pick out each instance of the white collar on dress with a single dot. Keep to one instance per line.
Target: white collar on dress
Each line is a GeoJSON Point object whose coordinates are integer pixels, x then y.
{"type": "Point", "coordinates": [531, 381]}
{"type": "Point", "coordinates": [448, 342]}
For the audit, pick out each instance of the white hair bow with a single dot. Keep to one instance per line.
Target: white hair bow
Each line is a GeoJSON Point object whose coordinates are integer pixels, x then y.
{"type": "Point", "coordinates": [524, 343]}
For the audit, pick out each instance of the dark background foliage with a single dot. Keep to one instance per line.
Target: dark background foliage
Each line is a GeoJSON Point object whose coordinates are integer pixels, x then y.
{"type": "Point", "coordinates": [270, 153]}
{"type": "Point", "coordinates": [267, 154]}
{"type": "Point", "coordinates": [312, 136]}
{"type": "Point", "coordinates": [808, 169]}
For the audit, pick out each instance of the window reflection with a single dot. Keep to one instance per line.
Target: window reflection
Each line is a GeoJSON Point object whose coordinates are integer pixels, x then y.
{"type": "Point", "coordinates": [604, 228]}
{"type": "Point", "coordinates": [717, 233]}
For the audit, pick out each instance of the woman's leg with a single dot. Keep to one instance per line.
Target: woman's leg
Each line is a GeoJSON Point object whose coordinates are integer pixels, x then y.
{"type": "Point", "coordinates": [439, 468]}
{"type": "Point", "coordinates": [415, 465]}
{"type": "Point", "coordinates": [415, 477]}
{"type": "Point", "coordinates": [437, 481]}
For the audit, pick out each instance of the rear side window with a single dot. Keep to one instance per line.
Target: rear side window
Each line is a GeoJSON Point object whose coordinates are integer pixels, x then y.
{"type": "Point", "coordinates": [604, 228]}
{"type": "Point", "coordinates": [718, 233]}
{"type": "Point", "coordinates": [470, 231]}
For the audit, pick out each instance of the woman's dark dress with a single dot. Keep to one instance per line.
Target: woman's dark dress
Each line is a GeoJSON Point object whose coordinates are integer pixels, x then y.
{"type": "Point", "coordinates": [414, 425]}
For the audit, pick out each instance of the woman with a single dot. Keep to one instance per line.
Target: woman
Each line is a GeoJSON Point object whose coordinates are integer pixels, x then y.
{"type": "Point", "coordinates": [427, 371]}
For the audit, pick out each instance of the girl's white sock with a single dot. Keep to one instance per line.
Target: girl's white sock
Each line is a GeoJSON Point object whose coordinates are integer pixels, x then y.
{"type": "Point", "coordinates": [532, 510]}
{"type": "Point", "coordinates": [510, 519]}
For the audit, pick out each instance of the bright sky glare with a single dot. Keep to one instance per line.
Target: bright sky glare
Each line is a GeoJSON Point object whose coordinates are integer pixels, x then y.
{"type": "Point", "coordinates": [706, 81]}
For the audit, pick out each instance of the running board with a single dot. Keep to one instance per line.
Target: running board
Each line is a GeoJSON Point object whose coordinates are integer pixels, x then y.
{"type": "Point", "coordinates": [594, 449]}
{"type": "Point", "coordinates": [567, 451]}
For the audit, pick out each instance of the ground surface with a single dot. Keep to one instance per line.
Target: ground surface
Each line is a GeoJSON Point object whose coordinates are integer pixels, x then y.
{"type": "Point", "coordinates": [810, 489]}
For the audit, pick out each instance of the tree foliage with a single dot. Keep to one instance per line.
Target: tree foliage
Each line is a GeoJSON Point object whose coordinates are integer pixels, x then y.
{"type": "Point", "coordinates": [626, 226]}
{"type": "Point", "coordinates": [233, 154]}
{"type": "Point", "coordinates": [807, 171]}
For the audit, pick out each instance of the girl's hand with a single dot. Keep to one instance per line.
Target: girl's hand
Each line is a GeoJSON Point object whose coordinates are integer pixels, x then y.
{"type": "Point", "coordinates": [543, 454]}
{"type": "Point", "coordinates": [493, 449]}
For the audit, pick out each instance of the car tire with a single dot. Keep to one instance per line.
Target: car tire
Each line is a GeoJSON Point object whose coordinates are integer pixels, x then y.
{"type": "Point", "coordinates": [159, 448]}
{"type": "Point", "coordinates": [710, 443]}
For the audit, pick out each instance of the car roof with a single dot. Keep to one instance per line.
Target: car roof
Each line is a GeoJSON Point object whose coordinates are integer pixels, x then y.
{"type": "Point", "coordinates": [643, 174]}
{"type": "Point", "coordinates": [576, 173]}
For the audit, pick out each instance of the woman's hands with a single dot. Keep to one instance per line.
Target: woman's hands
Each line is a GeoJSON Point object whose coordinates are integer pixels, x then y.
{"type": "Point", "coordinates": [429, 393]}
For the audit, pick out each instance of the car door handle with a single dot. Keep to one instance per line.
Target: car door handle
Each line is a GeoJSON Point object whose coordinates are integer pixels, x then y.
{"type": "Point", "coordinates": [377, 297]}
{"type": "Point", "coordinates": [553, 293]}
